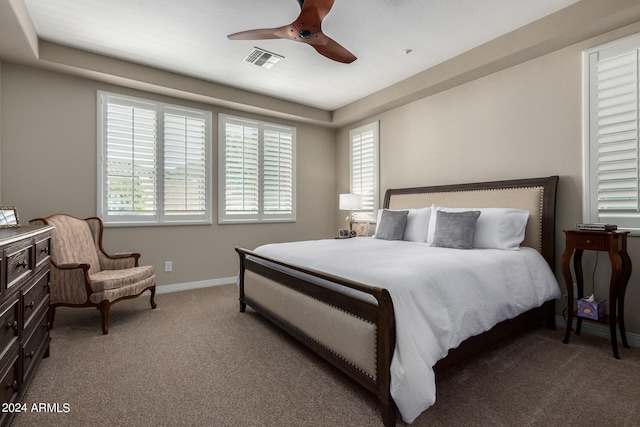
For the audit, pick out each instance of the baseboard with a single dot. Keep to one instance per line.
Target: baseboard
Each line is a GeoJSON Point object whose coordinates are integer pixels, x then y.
{"type": "Point", "coordinates": [165, 289]}
{"type": "Point", "coordinates": [601, 331]}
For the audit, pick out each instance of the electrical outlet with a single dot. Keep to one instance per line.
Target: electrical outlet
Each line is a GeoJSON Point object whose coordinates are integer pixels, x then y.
{"type": "Point", "coordinates": [168, 266]}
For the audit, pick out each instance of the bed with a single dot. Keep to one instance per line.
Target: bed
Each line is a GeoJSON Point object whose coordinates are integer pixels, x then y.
{"type": "Point", "coordinates": [356, 317]}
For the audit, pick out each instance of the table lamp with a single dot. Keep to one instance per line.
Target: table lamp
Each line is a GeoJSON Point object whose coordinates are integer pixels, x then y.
{"type": "Point", "coordinates": [349, 202]}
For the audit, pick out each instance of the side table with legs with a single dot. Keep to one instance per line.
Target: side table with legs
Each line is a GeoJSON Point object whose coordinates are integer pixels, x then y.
{"type": "Point", "coordinates": [615, 243]}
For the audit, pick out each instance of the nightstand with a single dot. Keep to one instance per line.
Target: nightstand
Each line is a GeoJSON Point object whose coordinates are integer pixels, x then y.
{"type": "Point", "coordinates": [615, 243]}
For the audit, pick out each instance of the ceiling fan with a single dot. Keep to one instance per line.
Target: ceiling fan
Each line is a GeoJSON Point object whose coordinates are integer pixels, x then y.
{"type": "Point", "coordinates": [305, 29]}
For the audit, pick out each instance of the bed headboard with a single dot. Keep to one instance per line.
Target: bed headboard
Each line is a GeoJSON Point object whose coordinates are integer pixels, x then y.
{"type": "Point", "coordinates": [537, 195]}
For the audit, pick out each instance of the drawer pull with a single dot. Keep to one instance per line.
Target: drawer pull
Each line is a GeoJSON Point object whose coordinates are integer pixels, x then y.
{"type": "Point", "coordinates": [44, 250]}
{"type": "Point", "coordinates": [13, 325]}
{"type": "Point", "coordinates": [22, 264]}
{"type": "Point", "coordinates": [30, 305]}
{"type": "Point", "coordinates": [588, 242]}
{"type": "Point", "coordinates": [13, 385]}
{"type": "Point", "coordinates": [30, 355]}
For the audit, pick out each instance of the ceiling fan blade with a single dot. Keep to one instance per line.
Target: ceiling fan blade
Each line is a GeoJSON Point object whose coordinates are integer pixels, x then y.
{"type": "Point", "coordinates": [313, 12]}
{"type": "Point", "coordinates": [260, 34]}
{"type": "Point", "coordinates": [330, 48]}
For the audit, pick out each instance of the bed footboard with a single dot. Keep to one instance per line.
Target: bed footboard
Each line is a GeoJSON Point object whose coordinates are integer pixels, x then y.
{"type": "Point", "coordinates": [355, 334]}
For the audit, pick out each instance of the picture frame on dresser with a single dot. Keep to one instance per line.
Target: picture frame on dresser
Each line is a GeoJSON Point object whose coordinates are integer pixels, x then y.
{"type": "Point", "coordinates": [9, 217]}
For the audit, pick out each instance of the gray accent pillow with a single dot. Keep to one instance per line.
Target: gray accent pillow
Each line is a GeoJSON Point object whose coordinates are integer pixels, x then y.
{"type": "Point", "coordinates": [455, 229]}
{"type": "Point", "coordinates": [391, 226]}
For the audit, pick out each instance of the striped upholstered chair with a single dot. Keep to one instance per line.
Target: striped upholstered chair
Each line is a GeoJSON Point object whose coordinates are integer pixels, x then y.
{"type": "Point", "coordinates": [84, 275]}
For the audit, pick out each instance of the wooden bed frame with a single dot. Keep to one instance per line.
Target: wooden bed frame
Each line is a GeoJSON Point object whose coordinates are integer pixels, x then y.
{"type": "Point", "coordinates": [295, 298]}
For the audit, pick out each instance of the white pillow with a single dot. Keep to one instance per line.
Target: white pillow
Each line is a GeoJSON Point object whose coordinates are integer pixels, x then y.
{"type": "Point", "coordinates": [497, 228]}
{"type": "Point", "coordinates": [417, 227]}
{"type": "Point", "coordinates": [432, 223]}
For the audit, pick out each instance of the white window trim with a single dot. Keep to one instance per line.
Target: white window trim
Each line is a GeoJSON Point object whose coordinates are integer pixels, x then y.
{"type": "Point", "coordinates": [373, 127]}
{"type": "Point", "coordinates": [159, 219]}
{"type": "Point", "coordinates": [590, 213]}
{"type": "Point", "coordinates": [260, 216]}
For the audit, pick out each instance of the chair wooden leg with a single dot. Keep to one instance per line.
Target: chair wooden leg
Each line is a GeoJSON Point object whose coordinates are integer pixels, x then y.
{"type": "Point", "coordinates": [104, 307]}
{"type": "Point", "coordinates": [153, 296]}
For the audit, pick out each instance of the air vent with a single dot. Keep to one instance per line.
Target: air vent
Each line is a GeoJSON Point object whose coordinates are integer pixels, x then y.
{"type": "Point", "coordinates": [262, 58]}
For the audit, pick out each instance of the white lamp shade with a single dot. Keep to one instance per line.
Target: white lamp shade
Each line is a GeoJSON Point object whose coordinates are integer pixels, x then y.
{"type": "Point", "coordinates": [350, 202]}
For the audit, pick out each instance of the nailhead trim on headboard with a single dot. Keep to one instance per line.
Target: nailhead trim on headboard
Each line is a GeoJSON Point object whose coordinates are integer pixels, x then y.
{"type": "Point", "coordinates": [542, 201]}
{"type": "Point", "coordinates": [521, 198]}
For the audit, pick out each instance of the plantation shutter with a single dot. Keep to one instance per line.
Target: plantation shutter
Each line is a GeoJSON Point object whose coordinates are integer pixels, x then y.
{"type": "Point", "coordinates": [130, 168]}
{"type": "Point", "coordinates": [154, 162]}
{"type": "Point", "coordinates": [257, 179]}
{"type": "Point", "coordinates": [185, 163]}
{"type": "Point", "coordinates": [242, 172]}
{"type": "Point", "coordinates": [364, 168]}
{"type": "Point", "coordinates": [278, 171]}
{"type": "Point", "coordinates": [613, 133]}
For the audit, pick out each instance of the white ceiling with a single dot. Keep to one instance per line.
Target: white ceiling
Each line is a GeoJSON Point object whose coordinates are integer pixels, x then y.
{"type": "Point", "coordinates": [190, 37]}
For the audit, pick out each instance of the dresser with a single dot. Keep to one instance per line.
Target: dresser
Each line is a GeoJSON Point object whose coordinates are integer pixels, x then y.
{"type": "Point", "coordinates": [24, 303]}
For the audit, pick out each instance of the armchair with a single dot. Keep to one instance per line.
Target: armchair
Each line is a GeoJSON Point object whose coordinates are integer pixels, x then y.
{"type": "Point", "coordinates": [84, 275]}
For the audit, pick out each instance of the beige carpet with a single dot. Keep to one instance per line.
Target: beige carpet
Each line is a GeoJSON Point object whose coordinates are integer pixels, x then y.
{"type": "Point", "coordinates": [197, 361]}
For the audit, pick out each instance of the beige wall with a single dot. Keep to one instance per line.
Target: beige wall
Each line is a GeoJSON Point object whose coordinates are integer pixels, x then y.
{"type": "Point", "coordinates": [525, 121]}
{"type": "Point", "coordinates": [49, 165]}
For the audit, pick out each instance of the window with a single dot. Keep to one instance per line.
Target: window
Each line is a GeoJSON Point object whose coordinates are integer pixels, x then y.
{"type": "Point", "coordinates": [256, 172]}
{"type": "Point", "coordinates": [364, 168]}
{"type": "Point", "coordinates": [153, 162]}
{"type": "Point", "coordinates": [611, 192]}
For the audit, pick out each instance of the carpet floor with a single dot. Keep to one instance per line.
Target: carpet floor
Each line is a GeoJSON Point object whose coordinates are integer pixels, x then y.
{"type": "Point", "coordinates": [197, 361]}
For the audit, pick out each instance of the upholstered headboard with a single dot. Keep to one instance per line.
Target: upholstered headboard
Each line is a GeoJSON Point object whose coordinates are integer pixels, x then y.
{"type": "Point", "coordinates": [536, 195]}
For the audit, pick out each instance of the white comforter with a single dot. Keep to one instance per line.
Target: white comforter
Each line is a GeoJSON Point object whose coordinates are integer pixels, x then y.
{"type": "Point", "coordinates": [440, 297]}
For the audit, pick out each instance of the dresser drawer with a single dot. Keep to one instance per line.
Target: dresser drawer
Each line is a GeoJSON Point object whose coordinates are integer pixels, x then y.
{"type": "Point", "coordinates": [34, 297]}
{"type": "Point", "coordinates": [9, 323]}
{"type": "Point", "coordinates": [35, 345]}
{"type": "Point", "coordinates": [10, 376]}
{"type": "Point", "coordinates": [18, 261]}
{"type": "Point", "coordinates": [43, 249]}
{"type": "Point", "coordinates": [589, 242]}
